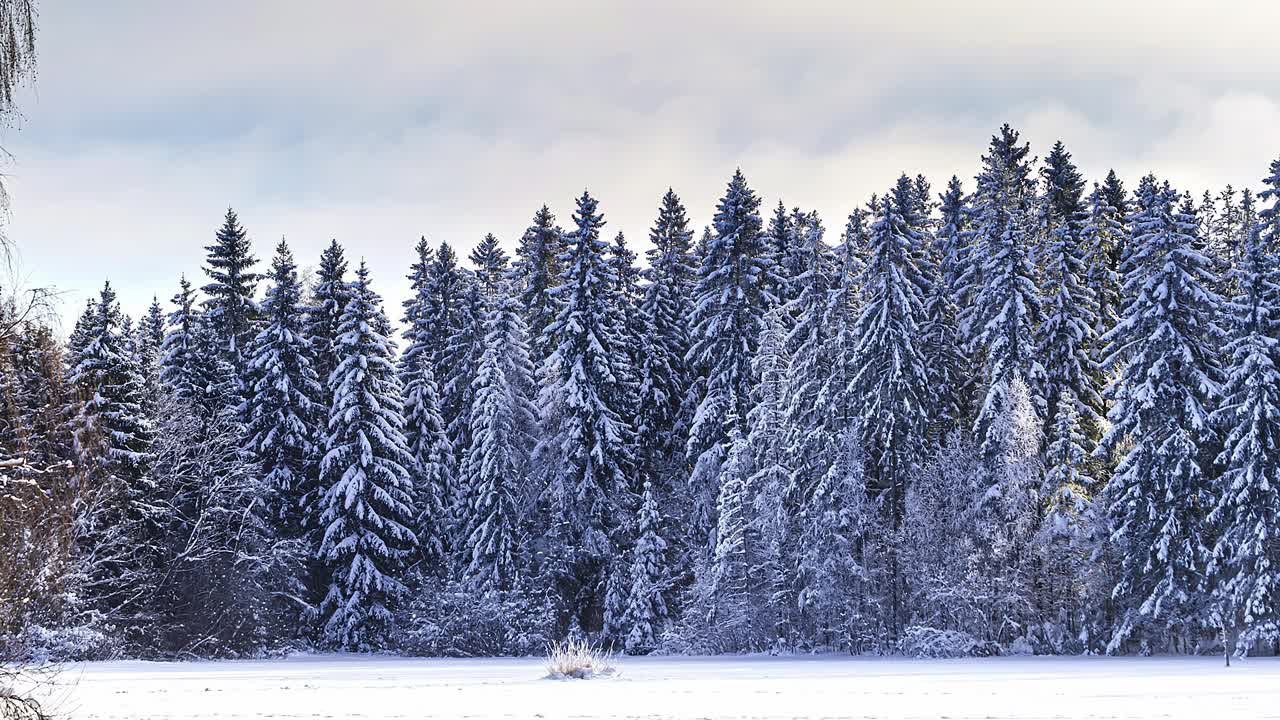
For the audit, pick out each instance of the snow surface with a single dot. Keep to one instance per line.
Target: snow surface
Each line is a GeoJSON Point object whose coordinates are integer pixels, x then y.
{"type": "Point", "coordinates": [338, 686]}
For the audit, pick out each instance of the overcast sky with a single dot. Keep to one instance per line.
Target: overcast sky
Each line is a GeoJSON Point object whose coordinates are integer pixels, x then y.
{"type": "Point", "coordinates": [376, 122]}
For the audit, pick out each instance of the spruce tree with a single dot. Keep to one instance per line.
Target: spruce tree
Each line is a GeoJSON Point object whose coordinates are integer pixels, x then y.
{"type": "Point", "coordinates": [495, 470]}
{"type": "Point", "coordinates": [119, 525]}
{"type": "Point", "coordinates": [891, 380]}
{"type": "Point", "coordinates": [433, 468]}
{"type": "Point", "coordinates": [537, 272]}
{"type": "Point", "coordinates": [1007, 309]}
{"type": "Point", "coordinates": [665, 378]}
{"type": "Point", "coordinates": [329, 297]}
{"type": "Point", "coordinates": [368, 493]}
{"type": "Point", "coordinates": [949, 373]}
{"type": "Point", "coordinates": [647, 612]}
{"type": "Point", "coordinates": [230, 306]}
{"type": "Point", "coordinates": [283, 413]}
{"type": "Point", "coordinates": [588, 441]}
{"type": "Point", "coordinates": [1067, 341]}
{"type": "Point", "coordinates": [731, 297]}
{"type": "Point", "coordinates": [1244, 569]}
{"type": "Point", "coordinates": [1163, 350]}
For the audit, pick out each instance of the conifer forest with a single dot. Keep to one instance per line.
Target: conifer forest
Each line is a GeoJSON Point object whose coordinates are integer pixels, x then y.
{"type": "Point", "coordinates": [1014, 410]}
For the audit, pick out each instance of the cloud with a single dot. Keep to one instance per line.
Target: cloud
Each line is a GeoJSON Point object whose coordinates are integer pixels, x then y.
{"type": "Point", "coordinates": [377, 122]}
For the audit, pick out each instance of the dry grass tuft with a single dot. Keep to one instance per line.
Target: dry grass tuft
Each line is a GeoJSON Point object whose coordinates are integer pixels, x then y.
{"type": "Point", "coordinates": [577, 659]}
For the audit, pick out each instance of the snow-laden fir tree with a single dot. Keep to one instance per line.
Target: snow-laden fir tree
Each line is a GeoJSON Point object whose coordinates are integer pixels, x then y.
{"type": "Point", "coordinates": [647, 614]}
{"type": "Point", "coordinates": [728, 600]}
{"type": "Point", "coordinates": [891, 380]}
{"type": "Point", "coordinates": [495, 470]}
{"type": "Point", "coordinates": [1244, 569]}
{"type": "Point", "coordinates": [179, 362]}
{"type": "Point", "coordinates": [586, 446]}
{"type": "Point", "coordinates": [1101, 239]}
{"type": "Point", "coordinates": [1007, 309]}
{"type": "Point", "coordinates": [809, 423]}
{"type": "Point", "coordinates": [491, 268]}
{"type": "Point", "coordinates": [368, 493]}
{"type": "Point", "coordinates": [628, 321]}
{"type": "Point", "coordinates": [537, 272]}
{"type": "Point", "coordinates": [731, 298]}
{"type": "Point", "coordinates": [433, 467]}
{"type": "Point", "coordinates": [947, 360]}
{"type": "Point", "coordinates": [664, 374]}
{"type": "Point", "coordinates": [835, 598]}
{"type": "Point", "coordinates": [1066, 343]}
{"type": "Point", "coordinates": [1163, 349]}
{"type": "Point", "coordinates": [329, 297]}
{"type": "Point", "coordinates": [118, 524]}
{"type": "Point", "coordinates": [779, 235]}
{"type": "Point", "coordinates": [463, 346]}
{"type": "Point", "coordinates": [283, 414]}
{"type": "Point", "coordinates": [775, 505]}
{"type": "Point", "coordinates": [230, 307]}
{"type": "Point", "coordinates": [150, 343]}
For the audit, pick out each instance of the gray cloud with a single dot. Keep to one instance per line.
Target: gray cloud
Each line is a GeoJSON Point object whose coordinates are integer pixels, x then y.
{"type": "Point", "coordinates": [377, 122]}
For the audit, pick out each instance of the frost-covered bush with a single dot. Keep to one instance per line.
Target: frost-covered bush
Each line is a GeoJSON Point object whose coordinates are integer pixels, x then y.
{"type": "Point", "coordinates": [577, 659]}
{"type": "Point", "coordinates": [447, 619]}
{"type": "Point", "coordinates": [89, 641]}
{"type": "Point", "coordinates": [928, 642]}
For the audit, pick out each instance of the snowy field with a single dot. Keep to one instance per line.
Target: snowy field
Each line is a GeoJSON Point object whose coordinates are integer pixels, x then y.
{"type": "Point", "coordinates": [752, 687]}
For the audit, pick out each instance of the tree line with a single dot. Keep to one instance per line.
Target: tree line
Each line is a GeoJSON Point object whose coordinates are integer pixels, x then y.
{"type": "Point", "coordinates": [1038, 415]}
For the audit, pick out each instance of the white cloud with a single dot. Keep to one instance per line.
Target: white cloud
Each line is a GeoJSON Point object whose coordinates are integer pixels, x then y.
{"type": "Point", "coordinates": [377, 122]}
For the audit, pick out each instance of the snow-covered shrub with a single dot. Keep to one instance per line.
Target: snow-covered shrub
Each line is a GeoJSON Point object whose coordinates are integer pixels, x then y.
{"type": "Point", "coordinates": [447, 619]}
{"type": "Point", "coordinates": [928, 642]}
{"type": "Point", "coordinates": [77, 643]}
{"type": "Point", "coordinates": [577, 659]}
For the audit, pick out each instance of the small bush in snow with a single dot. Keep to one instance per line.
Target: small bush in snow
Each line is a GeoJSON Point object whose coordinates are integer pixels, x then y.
{"type": "Point", "coordinates": [577, 659]}
{"type": "Point", "coordinates": [927, 642]}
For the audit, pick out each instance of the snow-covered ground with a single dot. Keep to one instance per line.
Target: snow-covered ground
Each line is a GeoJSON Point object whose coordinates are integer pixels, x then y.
{"type": "Point", "coordinates": [751, 687]}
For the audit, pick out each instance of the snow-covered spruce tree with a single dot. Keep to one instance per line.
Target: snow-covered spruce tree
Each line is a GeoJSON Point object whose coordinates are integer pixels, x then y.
{"type": "Point", "coordinates": [774, 511]}
{"type": "Point", "coordinates": [368, 493]}
{"type": "Point", "coordinates": [731, 298]}
{"type": "Point", "coordinates": [433, 468]}
{"type": "Point", "coordinates": [647, 615]}
{"type": "Point", "coordinates": [324, 315]}
{"type": "Point", "coordinates": [536, 273]}
{"type": "Point", "coordinates": [891, 381]}
{"type": "Point", "coordinates": [463, 346]}
{"type": "Point", "coordinates": [835, 560]}
{"type": "Point", "coordinates": [1007, 309]}
{"type": "Point", "coordinates": [491, 268]}
{"type": "Point", "coordinates": [1007, 514]}
{"type": "Point", "coordinates": [1244, 570]}
{"type": "Point", "coordinates": [1117, 198]}
{"type": "Point", "coordinates": [1073, 403]}
{"type": "Point", "coordinates": [625, 304]}
{"type": "Point", "coordinates": [811, 425]}
{"type": "Point", "coordinates": [495, 470]}
{"type": "Point", "coordinates": [664, 374]}
{"type": "Point", "coordinates": [1066, 335]}
{"type": "Point", "coordinates": [729, 622]}
{"type": "Point", "coordinates": [117, 521]}
{"type": "Point", "coordinates": [1163, 349]}
{"type": "Point", "coordinates": [282, 432]}
{"type": "Point", "coordinates": [1101, 239]}
{"type": "Point", "coordinates": [947, 362]}
{"type": "Point", "coordinates": [779, 236]}
{"type": "Point", "coordinates": [231, 311]}
{"type": "Point", "coordinates": [586, 446]}
{"type": "Point", "coordinates": [179, 362]}
{"type": "Point", "coordinates": [151, 332]}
